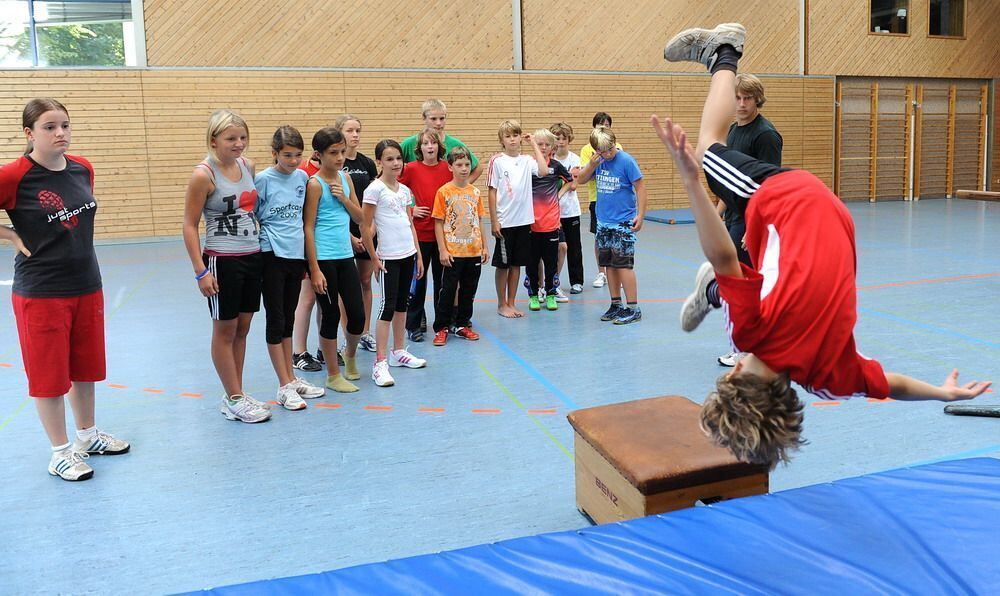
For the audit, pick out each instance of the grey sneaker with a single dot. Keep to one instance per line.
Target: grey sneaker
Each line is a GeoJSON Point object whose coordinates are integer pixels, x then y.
{"type": "Point", "coordinates": [700, 45]}
{"type": "Point", "coordinates": [697, 306]}
{"type": "Point", "coordinates": [367, 342]}
{"type": "Point", "coordinates": [68, 464]}
{"type": "Point", "coordinates": [101, 444]}
{"type": "Point", "coordinates": [243, 410]}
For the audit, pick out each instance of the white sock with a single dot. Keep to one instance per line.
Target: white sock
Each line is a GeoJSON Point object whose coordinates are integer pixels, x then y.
{"type": "Point", "coordinates": [87, 433]}
{"type": "Point", "coordinates": [59, 448]}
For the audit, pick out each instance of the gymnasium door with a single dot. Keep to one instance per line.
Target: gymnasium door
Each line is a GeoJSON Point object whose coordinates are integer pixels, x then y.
{"type": "Point", "coordinates": [907, 139]}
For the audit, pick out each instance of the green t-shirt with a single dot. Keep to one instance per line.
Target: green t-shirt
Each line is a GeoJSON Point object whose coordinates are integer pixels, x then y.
{"type": "Point", "coordinates": [409, 146]}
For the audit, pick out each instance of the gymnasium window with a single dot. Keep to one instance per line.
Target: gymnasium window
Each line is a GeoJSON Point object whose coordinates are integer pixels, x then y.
{"type": "Point", "coordinates": [947, 18]}
{"type": "Point", "coordinates": [889, 17]}
{"type": "Point", "coordinates": [68, 33]}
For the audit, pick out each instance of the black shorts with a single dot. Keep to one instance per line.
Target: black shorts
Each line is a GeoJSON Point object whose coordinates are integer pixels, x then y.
{"type": "Point", "coordinates": [513, 248]}
{"type": "Point", "coordinates": [593, 217]}
{"type": "Point", "coordinates": [240, 280]}
{"type": "Point", "coordinates": [562, 235]}
{"type": "Point", "coordinates": [735, 176]}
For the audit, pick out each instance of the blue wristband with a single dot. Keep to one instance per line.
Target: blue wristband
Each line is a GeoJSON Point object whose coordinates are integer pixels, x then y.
{"type": "Point", "coordinates": [202, 274]}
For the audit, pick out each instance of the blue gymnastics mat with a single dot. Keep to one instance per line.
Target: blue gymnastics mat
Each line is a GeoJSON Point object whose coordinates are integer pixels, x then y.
{"type": "Point", "coordinates": [670, 216]}
{"type": "Point", "coordinates": [932, 529]}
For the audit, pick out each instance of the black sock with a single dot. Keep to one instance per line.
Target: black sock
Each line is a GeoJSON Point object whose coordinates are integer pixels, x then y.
{"type": "Point", "coordinates": [617, 301]}
{"type": "Point", "coordinates": [726, 58]}
{"type": "Point", "coordinates": [712, 293]}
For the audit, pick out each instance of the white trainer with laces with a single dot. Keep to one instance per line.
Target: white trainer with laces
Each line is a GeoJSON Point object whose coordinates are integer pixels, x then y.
{"type": "Point", "coordinates": [68, 464]}
{"type": "Point", "coordinates": [289, 398]}
{"type": "Point", "coordinates": [244, 410]}
{"type": "Point", "coordinates": [101, 444]}
{"type": "Point", "coordinates": [404, 358]}
{"type": "Point", "coordinates": [730, 359]}
{"type": "Point", "coordinates": [600, 281]}
{"type": "Point", "coordinates": [380, 374]}
{"type": "Point", "coordinates": [257, 402]}
{"type": "Point", "coordinates": [700, 45]}
{"type": "Point", "coordinates": [307, 389]}
{"type": "Point", "coordinates": [696, 306]}
{"type": "Point", "coordinates": [367, 342]}
{"type": "Point", "coordinates": [561, 296]}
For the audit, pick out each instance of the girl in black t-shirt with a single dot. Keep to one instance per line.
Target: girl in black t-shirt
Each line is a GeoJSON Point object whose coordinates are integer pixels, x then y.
{"type": "Point", "coordinates": [57, 296]}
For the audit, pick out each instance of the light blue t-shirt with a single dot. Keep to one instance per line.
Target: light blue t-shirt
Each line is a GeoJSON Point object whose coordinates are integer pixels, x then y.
{"type": "Point", "coordinates": [279, 210]}
{"type": "Point", "coordinates": [333, 232]}
{"type": "Point", "coordinates": [616, 199]}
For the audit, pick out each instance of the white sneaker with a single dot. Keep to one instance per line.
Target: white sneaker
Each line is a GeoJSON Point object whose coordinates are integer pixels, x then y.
{"type": "Point", "coordinates": [600, 281]}
{"type": "Point", "coordinates": [257, 402]}
{"type": "Point", "coordinates": [367, 342]}
{"type": "Point", "coordinates": [101, 444]}
{"type": "Point", "coordinates": [289, 398]}
{"type": "Point", "coordinates": [244, 410]}
{"type": "Point", "coordinates": [576, 289]}
{"type": "Point", "coordinates": [404, 358]}
{"type": "Point", "coordinates": [696, 306]}
{"type": "Point", "coordinates": [380, 374]}
{"type": "Point", "coordinates": [307, 389]}
{"type": "Point", "coordinates": [68, 464]}
{"type": "Point", "coordinates": [730, 359]}
{"type": "Point", "coordinates": [700, 45]}
{"type": "Point", "coordinates": [560, 296]}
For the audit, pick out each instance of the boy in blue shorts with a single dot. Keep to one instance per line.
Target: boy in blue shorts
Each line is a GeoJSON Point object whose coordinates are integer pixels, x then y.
{"type": "Point", "coordinates": [621, 205]}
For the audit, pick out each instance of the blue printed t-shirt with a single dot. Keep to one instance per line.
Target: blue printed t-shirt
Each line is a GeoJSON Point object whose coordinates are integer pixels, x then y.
{"type": "Point", "coordinates": [333, 233]}
{"type": "Point", "coordinates": [616, 200]}
{"type": "Point", "coordinates": [279, 211]}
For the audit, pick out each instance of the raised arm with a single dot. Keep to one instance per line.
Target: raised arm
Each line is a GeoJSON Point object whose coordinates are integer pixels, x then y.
{"type": "Point", "coordinates": [906, 388]}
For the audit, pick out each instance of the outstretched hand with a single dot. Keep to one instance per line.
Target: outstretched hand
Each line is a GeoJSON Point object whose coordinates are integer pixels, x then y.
{"type": "Point", "coordinates": [674, 139]}
{"type": "Point", "coordinates": [956, 392]}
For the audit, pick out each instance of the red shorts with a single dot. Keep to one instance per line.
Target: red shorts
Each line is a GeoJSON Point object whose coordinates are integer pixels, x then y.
{"type": "Point", "coordinates": [62, 340]}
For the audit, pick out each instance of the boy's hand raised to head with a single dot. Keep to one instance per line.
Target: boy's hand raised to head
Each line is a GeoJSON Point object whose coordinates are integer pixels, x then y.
{"type": "Point", "coordinates": [674, 139]}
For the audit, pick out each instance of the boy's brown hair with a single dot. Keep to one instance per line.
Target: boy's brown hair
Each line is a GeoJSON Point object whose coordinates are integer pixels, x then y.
{"type": "Point", "coordinates": [749, 85]}
{"type": "Point", "coordinates": [562, 129]}
{"type": "Point", "coordinates": [508, 127]}
{"type": "Point", "coordinates": [458, 152]}
{"type": "Point", "coordinates": [429, 132]}
{"type": "Point", "coordinates": [759, 421]}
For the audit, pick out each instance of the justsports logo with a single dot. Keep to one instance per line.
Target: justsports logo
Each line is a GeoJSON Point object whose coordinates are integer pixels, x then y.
{"type": "Point", "coordinates": [53, 205]}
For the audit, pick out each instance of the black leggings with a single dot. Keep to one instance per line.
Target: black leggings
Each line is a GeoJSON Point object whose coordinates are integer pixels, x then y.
{"type": "Point", "coordinates": [544, 249]}
{"type": "Point", "coordinates": [341, 279]}
{"type": "Point", "coordinates": [282, 282]}
{"type": "Point", "coordinates": [395, 282]}
{"type": "Point", "coordinates": [432, 264]}
{"type": "Point", "coordinates": [574, 249]}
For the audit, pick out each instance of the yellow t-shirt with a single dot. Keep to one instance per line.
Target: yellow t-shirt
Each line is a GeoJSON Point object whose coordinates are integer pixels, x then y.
{"type": "Point", "coordinates": [460, 209]}
{"type": "Point", "coordinates": [586, 152]}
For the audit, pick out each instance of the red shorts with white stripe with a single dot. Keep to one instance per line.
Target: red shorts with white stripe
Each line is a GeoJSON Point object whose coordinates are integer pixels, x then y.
{"type": "Point", "coordinates": [62, 341]}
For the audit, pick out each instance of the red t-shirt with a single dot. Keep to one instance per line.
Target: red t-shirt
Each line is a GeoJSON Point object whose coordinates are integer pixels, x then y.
{"type": "Point", "coordinates": [797, 314]}
{"type": "Point", "coordinates": [53, 213]}
{"type": "Point", "coordinates": [308, 167]}
{"type": "Point", "coordinates": [424, 181]}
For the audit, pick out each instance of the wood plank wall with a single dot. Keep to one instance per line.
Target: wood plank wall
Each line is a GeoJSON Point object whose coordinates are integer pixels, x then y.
{"type": "Point", "coordinates": [347, 33]}
{"type": "Point", "coordinates": [995, 169]}
{"type": "Point", "coordinates": [144, 130]}
{"type": "Point", "coordinates": [839, 43]}
{"type": "Point", "coordinates": [630, 37]}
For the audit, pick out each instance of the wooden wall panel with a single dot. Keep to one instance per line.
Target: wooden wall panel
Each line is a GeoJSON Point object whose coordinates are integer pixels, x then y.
{"type": "Point", "coordinates": [839, 43]}
{"type": "Point", "coordinates": [934, 141]}
{"type": "Point", "coordinates": [108, 128]}
{"type": "Point", "coordinates": [351, 33]}
{"type": "Point", "coordinates": [591, 35]}
{"type": "Point", "coordinates": [995, 149]}
{"type": "Point", "coordinates": [145, 130]}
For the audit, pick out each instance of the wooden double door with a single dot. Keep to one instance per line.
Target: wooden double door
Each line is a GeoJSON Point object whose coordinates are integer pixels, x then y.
{"type": "Point", "coordinates": [910, 138]}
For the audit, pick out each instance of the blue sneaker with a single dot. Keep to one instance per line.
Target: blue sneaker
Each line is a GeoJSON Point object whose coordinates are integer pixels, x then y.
{"type": "Point", "coordinates": [628, 315]}
{"type": "Point", "coordinates": [612, 313]}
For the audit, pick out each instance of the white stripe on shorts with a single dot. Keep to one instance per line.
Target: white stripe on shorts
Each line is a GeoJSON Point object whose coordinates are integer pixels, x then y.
{"type": "Point", "coordinates": [213, 301]}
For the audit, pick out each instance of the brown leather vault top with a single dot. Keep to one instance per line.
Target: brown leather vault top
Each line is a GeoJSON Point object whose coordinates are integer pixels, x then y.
{"type": "Point", "coordinates": [657, 445]}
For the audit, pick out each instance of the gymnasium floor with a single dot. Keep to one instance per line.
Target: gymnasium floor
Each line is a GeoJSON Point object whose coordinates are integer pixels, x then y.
{"type": "Point", "coordinates": [472, 449]}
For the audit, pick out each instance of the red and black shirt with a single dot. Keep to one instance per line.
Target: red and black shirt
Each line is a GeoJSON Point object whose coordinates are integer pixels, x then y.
{"type": "Point", "coordinates": [53, 213]}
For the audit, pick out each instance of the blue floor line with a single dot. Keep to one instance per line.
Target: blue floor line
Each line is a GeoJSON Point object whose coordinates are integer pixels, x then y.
{"type": "Point", "coordinates": [531, 370]}
{"type": "Point", "coordinates": [928, 327]}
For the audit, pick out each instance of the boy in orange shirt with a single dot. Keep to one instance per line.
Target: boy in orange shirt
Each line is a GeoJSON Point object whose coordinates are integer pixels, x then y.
{"type": "Point", "coordinates": [457, 209]}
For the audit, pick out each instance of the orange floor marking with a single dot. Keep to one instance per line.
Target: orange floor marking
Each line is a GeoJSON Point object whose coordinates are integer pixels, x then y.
{"type": "Point", "coordinates": [938, 280]}
{"type": "Point", "coordinates": [378, 408]}
{"type": "Point", "coordinates": [328, 406]}
{"type": "Point", "coordinates": [431, 410]}
{"type": "Point", "coordinates": [150, 390]}
{"type": "Point", "coordinates": [541, 411]}
{"type": "Point", "coordinates": [116, 386]}
{"type": "Point", "coordinates": [826, 403]}
{"type": "Point", "coordinates": [191, 395]}
{"type": "Point", "coordinates": [6, 364]}
{"type": "Point", "coordinates": [486, 411]}
{"type": "Point", "coordinates": [878, 401]}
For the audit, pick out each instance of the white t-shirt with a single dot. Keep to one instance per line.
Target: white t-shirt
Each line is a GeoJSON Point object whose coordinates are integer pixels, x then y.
{"type": "Point", "coordinates": [569, 203]}
{"type": "Point", "coordinates": [511, 177]}
{"type": "Point", "coordinates": [392, 221]}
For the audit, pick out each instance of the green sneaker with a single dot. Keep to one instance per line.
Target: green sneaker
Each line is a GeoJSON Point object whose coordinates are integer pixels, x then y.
{"type": "Point", "coordinates": [551, 303]}
{"type": "Point", "coordinates": [534, 303]}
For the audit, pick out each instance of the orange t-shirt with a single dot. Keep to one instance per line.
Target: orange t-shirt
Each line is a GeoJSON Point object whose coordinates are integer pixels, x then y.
{"type": "Point", "coordinates": [460, 209]}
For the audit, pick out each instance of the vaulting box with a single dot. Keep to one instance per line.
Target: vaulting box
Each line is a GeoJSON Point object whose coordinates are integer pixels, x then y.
{"type": "Point", "coordinates": [649, 456]}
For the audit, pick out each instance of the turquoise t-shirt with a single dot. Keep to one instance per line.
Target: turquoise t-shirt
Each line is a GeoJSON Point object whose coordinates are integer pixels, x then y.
{"type": "Point", "coordinates": [333, 232]}
{"type": "Point", "coordinates": [279, 210]}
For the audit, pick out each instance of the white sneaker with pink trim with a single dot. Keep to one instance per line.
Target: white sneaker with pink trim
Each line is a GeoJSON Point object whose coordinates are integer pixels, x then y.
{"type": "Point", "coordinates": [404, 358]}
